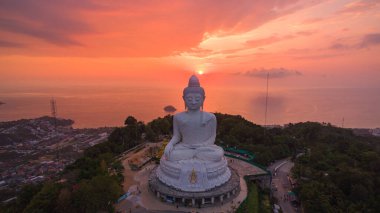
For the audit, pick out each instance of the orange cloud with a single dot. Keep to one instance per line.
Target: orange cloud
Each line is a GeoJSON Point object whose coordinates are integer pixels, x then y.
{"type": "Point", "coordinates": [127, 28]}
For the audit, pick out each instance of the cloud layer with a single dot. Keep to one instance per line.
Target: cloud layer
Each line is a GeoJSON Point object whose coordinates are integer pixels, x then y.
{"type": "Point", "coordinates": [133, 28]}
{"type": "Point", "coordinates": [272, 73]}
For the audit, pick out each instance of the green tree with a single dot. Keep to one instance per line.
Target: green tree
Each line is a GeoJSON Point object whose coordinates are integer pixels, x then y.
{"type": "Point", "coordinates": [97, 194]}
{"type": "Point", "coordinates": [23, 199]}
{"type": "Point", "coordinates": [162, 126]}
{"type": "Point", "coordinates": [130, 120]}
{"type": "Point", "coordinates": [27, 193]}
{"type": "Point", "coordinates": [64, 201]}
{"type": "Point", "coordinates": [45, 200]}
{"type": "Point", "coordinates": [150, 134]}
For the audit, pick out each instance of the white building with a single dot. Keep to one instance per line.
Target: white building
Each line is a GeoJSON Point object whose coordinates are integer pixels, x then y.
{"type": "Point", "coordinates": [376, 132]}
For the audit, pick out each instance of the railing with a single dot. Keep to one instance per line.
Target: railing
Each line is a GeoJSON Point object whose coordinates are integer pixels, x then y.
{"type": "Point", "coordinates": [250, 162]}
{"type": "Point", "coordinates": [246, 178]}
{"type": "Point", "coordinates": [247, 154]}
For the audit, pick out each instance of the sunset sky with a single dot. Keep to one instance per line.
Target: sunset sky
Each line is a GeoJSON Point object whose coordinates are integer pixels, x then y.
{"type": "Point", "coordinates": [302, 44]}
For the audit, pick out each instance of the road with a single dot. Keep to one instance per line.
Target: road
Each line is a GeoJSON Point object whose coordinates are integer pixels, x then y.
{"type": "Point", "coordinates": [280, 171]}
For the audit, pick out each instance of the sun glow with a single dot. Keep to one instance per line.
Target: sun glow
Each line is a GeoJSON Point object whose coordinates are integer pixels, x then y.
{"type": "Point", "coordinates": [200, 72]}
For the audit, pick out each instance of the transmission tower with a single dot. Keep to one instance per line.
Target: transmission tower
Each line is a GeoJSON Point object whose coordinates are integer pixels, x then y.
{"type": "Point", "coordinates": [53, 107]}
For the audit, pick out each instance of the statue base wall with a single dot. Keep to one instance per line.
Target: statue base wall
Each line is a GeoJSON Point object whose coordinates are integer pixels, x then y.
{"type": "Point", "coordinates": [193, 175]}
{"type": "Point", "coordinates": [219, 194]}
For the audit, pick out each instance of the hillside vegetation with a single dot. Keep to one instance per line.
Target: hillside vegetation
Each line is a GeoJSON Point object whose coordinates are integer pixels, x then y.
{"type": "Point", "coordinates": [338, 171]}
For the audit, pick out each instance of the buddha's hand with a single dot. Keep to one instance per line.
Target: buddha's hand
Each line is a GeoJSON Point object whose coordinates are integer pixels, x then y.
{"type": "Point", "coordinates": [168, 150]}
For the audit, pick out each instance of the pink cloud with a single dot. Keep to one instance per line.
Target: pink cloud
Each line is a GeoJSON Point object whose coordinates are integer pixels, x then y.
{"type": "Point", "coordinates": [370, 40]}
{"type": "Point", "coordinates": [4, 43]}
{"type": "Point", "coordinates": [274, 39]}
{"type": "Point", "coordinates": [365, 41]}
{"type": "Point", "coordinates": [359, 6]}
{"type": "Point", "coordinates": [52, 21]}
{"type": "Point", "coordinates": [267, 41]}
{"type": "Point", "coordinates": [273, 73]}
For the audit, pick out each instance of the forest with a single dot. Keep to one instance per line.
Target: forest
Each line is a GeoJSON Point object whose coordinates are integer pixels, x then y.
{"type": "Point", "coordinates": [336, 171]}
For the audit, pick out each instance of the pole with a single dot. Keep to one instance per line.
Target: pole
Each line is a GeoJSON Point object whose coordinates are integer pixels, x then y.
{"type": "Point", "coordinates": [266, 105]}
{"type": "Point", "coordinates": [266, 100]}
{"type": "Point", "coordinates": [53, 106]}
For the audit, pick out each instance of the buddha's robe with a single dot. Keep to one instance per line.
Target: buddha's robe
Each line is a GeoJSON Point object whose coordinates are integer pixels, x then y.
{"type": "Point", "coordinates": [194, 136]}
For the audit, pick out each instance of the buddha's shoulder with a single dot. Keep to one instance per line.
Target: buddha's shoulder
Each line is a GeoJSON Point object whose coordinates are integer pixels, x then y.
{"type": "Point", "coordinates": [183, 115]}
{"type": "Point", "coordinates": [209, 115]}
{"type": "Point", "coordinates": [179, 115]}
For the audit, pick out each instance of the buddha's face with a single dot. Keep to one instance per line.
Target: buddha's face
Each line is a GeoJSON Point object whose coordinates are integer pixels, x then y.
{"type": "Point", "coordinates": [193, 101]}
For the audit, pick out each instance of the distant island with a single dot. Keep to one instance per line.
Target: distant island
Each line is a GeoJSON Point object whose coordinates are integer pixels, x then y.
{"type": "Point", "coordinates": [170, 109]}
{"type": "Point", "coordinates": [1, 103]}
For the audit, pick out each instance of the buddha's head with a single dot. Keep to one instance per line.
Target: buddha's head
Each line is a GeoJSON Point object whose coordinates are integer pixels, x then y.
{"type": "Point", "coordinates": [194, 94]}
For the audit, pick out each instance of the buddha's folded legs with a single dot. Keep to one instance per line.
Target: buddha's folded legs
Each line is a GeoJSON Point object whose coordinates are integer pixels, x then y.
{"type": "Point", "coordinates": [209, 153]}
{"type": "Point", "coordinates": [181, 152]}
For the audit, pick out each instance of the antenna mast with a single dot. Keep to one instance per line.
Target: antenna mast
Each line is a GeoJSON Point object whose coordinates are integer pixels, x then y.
{"type": "Point", "coordinates": [266, 101]}
{"type": "Point", "coordinates": [53, 107]}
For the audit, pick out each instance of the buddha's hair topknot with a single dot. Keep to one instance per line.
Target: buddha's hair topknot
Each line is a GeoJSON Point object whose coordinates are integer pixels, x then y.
{"type": "Point", "coordinates": [194, 87]}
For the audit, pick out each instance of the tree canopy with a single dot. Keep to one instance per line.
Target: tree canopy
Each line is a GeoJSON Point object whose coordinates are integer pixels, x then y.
{"type": "Point", "coordinates": [338, 171]}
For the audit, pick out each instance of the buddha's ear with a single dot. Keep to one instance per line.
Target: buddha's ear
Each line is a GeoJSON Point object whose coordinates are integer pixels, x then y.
{"type": "Point", "coordinates": [183, 97]}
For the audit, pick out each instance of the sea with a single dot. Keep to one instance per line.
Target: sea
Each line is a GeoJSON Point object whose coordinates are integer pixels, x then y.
{"type": "Point", "coordinates": [91, 106]}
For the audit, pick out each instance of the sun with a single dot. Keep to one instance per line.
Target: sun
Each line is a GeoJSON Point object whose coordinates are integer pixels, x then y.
{"type": "Point", "coordinates": [200, 72]}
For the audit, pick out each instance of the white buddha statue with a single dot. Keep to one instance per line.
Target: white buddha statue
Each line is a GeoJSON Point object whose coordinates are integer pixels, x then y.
{"type": "Point", "coordinates": [191, 161]}
{"type": "Point", "coordinates": [194, 130]}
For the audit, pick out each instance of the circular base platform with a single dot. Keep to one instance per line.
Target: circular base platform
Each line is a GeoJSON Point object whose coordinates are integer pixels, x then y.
{"type": "Point", "coordinates": [219, 194]}
{"type": "Point", "coordinates": [193, 175]}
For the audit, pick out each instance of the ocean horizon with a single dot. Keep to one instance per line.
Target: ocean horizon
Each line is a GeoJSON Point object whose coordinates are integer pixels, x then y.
{"type": "Point", "coordinates": [93, 106]}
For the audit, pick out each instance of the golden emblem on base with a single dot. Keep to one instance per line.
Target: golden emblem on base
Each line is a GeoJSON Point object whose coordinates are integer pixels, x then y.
{"type": "Point", "coordinates": [193, 177]}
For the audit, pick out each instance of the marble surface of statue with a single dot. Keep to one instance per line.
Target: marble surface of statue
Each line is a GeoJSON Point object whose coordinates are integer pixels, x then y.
{"type": "Point", "coordinates": [191, 161]}
{"type": "Point", "coordinates": [194, 130]}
